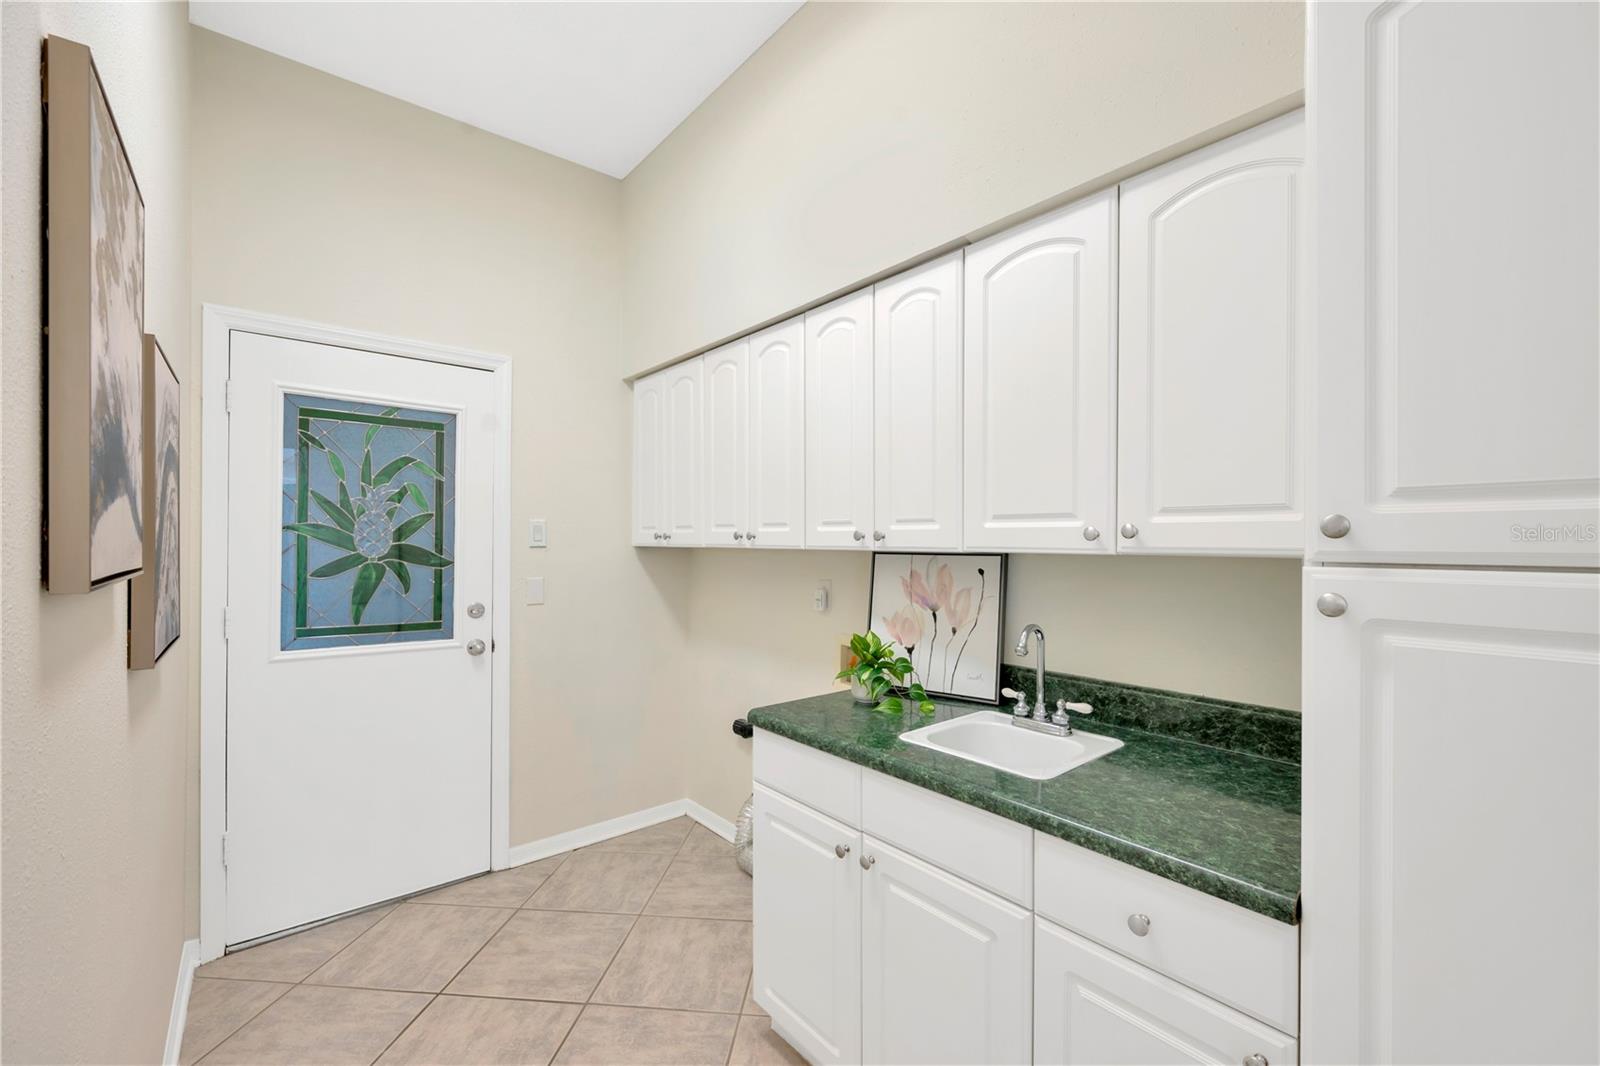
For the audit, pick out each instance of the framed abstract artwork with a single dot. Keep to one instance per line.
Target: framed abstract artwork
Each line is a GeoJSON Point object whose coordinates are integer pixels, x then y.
{"type": "Point", "coordinates": [944, 612]}
{"type": "Point", "coordinates": [94, 432]}
{"type": "Point", "coordinates": [153, 601]}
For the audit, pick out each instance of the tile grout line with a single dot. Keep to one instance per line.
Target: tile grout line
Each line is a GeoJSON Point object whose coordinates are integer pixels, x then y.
{"type": "Point", "coordinates": [435, 997]}
{"type": "Point", "coordinates": [232, 1032]}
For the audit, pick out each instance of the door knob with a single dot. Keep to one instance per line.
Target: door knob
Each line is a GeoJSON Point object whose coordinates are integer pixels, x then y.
{"type": "Point", "coordinates": [1090, 533]}
{"type": "Point", "coordinates": [867, 861]}
{"type": "Point", "coordinates": [1332, 604]}
{"type": "Point", "coordinates": [1257, 1059]}
{"type": "Point", "coordinates": [1139, 924]}
{"type": "Point", "coordinates": [1128, 531]}
{"type": "Point", "coordinates": [1335, 526]}
{"type": "Point", "coordinates": [474, 610]}
{"type": "Point", "coordinates": [475, 647]}
{"type": "Point", "coordinates": [751, 537]}
{"type": "Point", "coordinates": [737, 535]}
{"type": "Point", "coordinates": [877, 535]}
{"type": "Point", "coordinates": [841, 850]}
{"type": "Point", "coordinates": [856, 534]}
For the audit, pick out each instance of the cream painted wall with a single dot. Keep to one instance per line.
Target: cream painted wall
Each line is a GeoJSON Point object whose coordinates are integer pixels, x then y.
{"type": "Point", "coordinates": [865, 135]}
{"type": "Point", "coordinates": [93, 757]}
{"type": "Point", "coordinates": [318, 199]}
{"type": "Point", "coordinates": [862, 136]}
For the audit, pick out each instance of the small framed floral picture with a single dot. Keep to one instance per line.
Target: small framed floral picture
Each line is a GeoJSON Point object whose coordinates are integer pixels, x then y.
{"type": "Point", "coordinates": [944, 612]}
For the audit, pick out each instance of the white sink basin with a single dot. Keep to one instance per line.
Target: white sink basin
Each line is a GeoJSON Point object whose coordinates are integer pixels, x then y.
{"type": "Point", "coordinates": [991, 738]}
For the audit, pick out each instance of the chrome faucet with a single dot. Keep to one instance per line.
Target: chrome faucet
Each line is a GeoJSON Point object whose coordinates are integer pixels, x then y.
{"type": "Point", "coordinates": [1057, 724]}
{"type": "Point", "coordinates": [1021, 651]}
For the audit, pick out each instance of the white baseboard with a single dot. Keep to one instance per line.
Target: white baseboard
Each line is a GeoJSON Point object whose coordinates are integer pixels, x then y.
{"type": "Point", "coordinates": [534, 850]}
{"type": "Point", "coordinates": [188, 959]}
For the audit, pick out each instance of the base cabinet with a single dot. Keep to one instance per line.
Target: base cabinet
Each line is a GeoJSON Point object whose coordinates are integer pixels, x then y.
{"type": "Point", "coordinates": [1092, 1007]}
{"type": "Point", "coordinates": [944, 966]}
{"type": "Point", "coordinates": [807, 910]}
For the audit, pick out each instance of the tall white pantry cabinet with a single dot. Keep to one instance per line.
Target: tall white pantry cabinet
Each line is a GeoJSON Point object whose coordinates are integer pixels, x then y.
{"type": "Point", "coordinates": [1451, 882]}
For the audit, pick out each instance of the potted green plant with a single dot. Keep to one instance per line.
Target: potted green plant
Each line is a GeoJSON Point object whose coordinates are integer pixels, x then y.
{"type": "Point", "coordinates": [879, 676]}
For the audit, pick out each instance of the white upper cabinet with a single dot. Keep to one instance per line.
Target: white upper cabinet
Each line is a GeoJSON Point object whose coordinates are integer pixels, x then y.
{"type": "Point", "coordinates": [725, 374]}
{"type": "Point", "coordinates": [917, 404]}
{"type": "Point", "coordinates": [1040, 374]}
{"type": "Point", "coordinates": [680, 459]}
{"type": "Point", "coordinates": [838, 410]}
{"type": "Point", "coordinates": [777, 457]}
{"type": "Point", "coordinates": [1457, 272]}
{"type": "Point", "coordinates": [1210, 358]}
{"type": "Point", "coordinates": [649, 435]}
{"type": "Point", "coordinates": [1452, 825]}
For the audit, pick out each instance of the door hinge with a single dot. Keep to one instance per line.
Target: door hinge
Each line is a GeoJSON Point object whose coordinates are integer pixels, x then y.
{"type": "Point", "coordinates": [224, 850]}
{"type": "Point", "coordinates": [227, 396]}
{"type": "Point", "coordinates": [225, 625]}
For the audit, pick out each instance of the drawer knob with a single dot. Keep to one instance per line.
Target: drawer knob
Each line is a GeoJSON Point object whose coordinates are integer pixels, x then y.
{"type": "Point", "coordinates": [1257, 1059]}
{"type": "Point", "coordinates": [841, 850]}
{"type": "Point", "coordinates": [867, 861]}
{"type": "Point", "coordinates": [1139, 924]}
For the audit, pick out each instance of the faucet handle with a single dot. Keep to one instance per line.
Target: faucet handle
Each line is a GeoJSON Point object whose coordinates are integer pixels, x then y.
{"type": "Point", "coordinates": [1021, 709]}
{"type": "Point", "coordinates": [1062, 707]}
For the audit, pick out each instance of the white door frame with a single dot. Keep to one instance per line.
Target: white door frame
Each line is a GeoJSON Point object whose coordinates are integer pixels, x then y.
{"type": "Point", "coordinates": [217, 323]}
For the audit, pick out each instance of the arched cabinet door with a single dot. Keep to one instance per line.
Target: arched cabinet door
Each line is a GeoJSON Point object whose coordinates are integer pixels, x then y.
{"type": "Point", "coordinates": [1041, 384]}
{"type": "Point", "coordinates": [777, 456]}
{"type": "Point", "coordinates": [1456, 271]}
{"type": "Point", "coordinates": [838, 413]}
{"type": "Point", "coordinates": [1211, 349]}
{"type": "Point", "coordinates": [725, 380]}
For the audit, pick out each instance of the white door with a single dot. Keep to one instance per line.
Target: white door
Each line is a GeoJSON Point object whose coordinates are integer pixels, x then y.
{"type": "Point", "coordinates": [1452, 816]}
{"type": "Point", "coordinates": [777, 470]}
{"type": "Point", "coordinates": [1041, 384]}
{"type": "Point", "coordinates": [917, 408]}
{"type": "Point", "coordinates": [649, 476]}
{"type": "Point", "coordinates": [1210, 349]}
{"type": "Point", "coordinates": [1454, 148]}
{"type": "Point", "coordinates": [360, 517]}
{"type": "Point", "coordinates": [946, 968]}
{"type": "Point", "coordinates": [682, 472]}
{"type": "Point", "coordinates": [1092, 1007]}
{"type": "Point", "coordinates": [839, 423]}
{"type": "Point", "coordinates": [725, 378]}
{"type": "Point", "coordinates": [807, 909]}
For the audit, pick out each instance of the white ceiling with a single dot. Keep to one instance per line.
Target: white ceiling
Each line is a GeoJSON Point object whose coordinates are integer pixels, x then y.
{"type": "Point", "coordinates": [600, 84]}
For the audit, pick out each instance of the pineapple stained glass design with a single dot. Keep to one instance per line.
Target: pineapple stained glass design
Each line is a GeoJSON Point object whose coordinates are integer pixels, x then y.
{"type": "Point", "coordinates": [368, 524]}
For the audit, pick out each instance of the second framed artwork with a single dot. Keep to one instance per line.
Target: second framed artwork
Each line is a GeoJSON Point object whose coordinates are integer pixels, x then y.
{"type": "Point", "coordinates": [944, 612]}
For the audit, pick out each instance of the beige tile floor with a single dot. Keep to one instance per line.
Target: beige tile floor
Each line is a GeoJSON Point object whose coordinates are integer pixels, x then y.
{"type": "Point", "coordinates": [634, 950]}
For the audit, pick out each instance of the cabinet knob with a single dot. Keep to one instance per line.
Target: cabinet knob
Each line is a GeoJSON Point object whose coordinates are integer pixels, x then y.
{"type": "Point", "coordinates": [751, 537]}
{"type": "Point", "coordinates": [876, 535]}
{"type": "Point", "coordinates": [1332, 604]}
{"type": "Point", "coordinates": [1128, 531]}
{"type": "Point", "coordinates": [841, 850]}
{"type": "Point", "coordinates": [666, 536]}
{"type": "Point", "coordinates": [657, 536]}
{"type": "Point", "coordinates": [737, 535]}
{"type": "Point", "coordinates": [1335, 526]}
{"type": "Point", "coordinates": [1139, 924]}
{"type": "Point", "coordinates": [857, 535]}
{"type": "Point", "coordinates": [867, 861]}
{"type": "Point", "coordinates": [1257, 1059]}
{"type": "Point", "coordinates": [1090, 533]}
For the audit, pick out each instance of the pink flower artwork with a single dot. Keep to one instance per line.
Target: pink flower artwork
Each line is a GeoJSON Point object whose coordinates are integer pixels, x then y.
{"type": "Point", "coordinates": [943, 612]}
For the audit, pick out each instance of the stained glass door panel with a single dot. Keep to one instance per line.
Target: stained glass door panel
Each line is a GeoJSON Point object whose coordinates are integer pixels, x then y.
{"type": "Point", "coordinates": [368, 524]}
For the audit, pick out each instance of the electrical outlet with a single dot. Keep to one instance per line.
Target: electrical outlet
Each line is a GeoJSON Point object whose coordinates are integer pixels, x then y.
{"type": "Point", "coordinates": [535, 591]}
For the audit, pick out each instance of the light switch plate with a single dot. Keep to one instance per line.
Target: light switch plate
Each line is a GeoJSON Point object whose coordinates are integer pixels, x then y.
{"type": "Point", "coordinates": [538, 534]}
{"type": "Point", "coordinates": [535, 591]}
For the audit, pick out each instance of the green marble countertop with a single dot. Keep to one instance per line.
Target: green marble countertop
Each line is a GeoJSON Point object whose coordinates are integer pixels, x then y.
{"type": "Point", "coordinates": [1222, 822]}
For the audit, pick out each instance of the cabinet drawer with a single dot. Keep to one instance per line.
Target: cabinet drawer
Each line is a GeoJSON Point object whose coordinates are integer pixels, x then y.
{"type": "Point", "coordinates": [1242, 958]}
{"type": "Point", "coordinates": [1092, 1007]}
{"type": "Point", "coordinates": [983, 848]}
{"type": "Point", "coordinates": [830, 784]}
